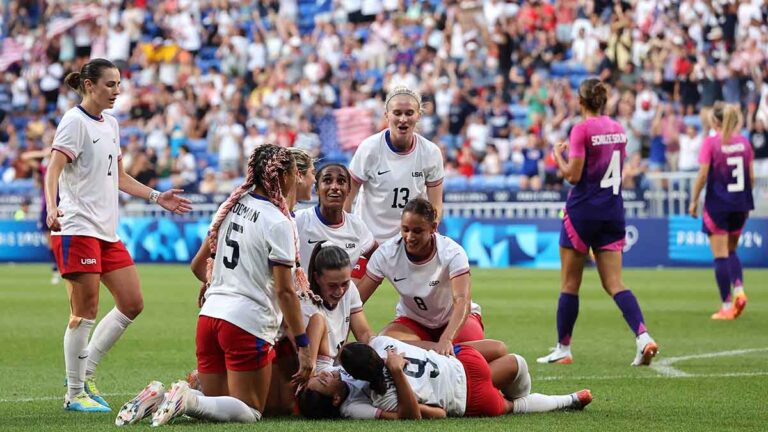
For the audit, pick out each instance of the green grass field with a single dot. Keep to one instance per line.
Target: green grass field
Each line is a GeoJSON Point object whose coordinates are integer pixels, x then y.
{"type": "Point", "coordinates": [724, 387]}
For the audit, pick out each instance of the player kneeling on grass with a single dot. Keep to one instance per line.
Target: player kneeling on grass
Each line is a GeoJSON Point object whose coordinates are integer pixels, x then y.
{"type": "Point", "coordinates": [250, 288]}
{"type": "Point", "coordinates": [390, 379]}
{"type": "Point", "coordinates": [330, 311]}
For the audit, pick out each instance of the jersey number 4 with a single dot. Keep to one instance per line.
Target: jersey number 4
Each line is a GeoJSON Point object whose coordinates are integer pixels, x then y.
{"type": "Point", "coordinates": [231, 263]}
{"type": "Point", "coordinates": [612, 177]}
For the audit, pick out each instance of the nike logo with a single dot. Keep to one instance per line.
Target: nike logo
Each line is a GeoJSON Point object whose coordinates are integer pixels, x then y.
{"type": "Point", "coordinates": [383, 172]}
{"type": "Point", "coordinates": [313, 241]}
{"type": "Point", "coordinates": [83, 357]}
{"type": "Point", "coordinates": [96, 140]}
{"type": "Point", "coordinates": [398, 280]}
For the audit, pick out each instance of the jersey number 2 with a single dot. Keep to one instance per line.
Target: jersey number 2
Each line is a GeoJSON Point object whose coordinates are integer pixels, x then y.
{"type": "Point", "coordinates": [231, 263]}
{"type": "Point", "coordinates": [612, 177]}
{"type": "Point", "coordinates": [109, 168]}
{"type": "Point", "coordinates": [738, 172]}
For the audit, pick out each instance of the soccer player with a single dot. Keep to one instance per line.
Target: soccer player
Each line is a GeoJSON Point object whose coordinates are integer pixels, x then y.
{"type": "Point", "coordinates": [330, 309]}
{"type": "Point", "coordinates": [726, 168]}
{"type": "Point", "coordinates": [394, 166]}
{"type": "Point", "coordinates": [305, 178]}
{"type": "Point", "coordinates": [594, 218]}
{"type": "Point", "coordinates": [86, 172]}
{"type": "Point", "coordinates": [431, 274]}
{"type": "Point", "coordinates": [408, 382]}
{"type": "Point", "coordinates": [329, 222]}
{"type": "Point", "coordinates": [250, 291]}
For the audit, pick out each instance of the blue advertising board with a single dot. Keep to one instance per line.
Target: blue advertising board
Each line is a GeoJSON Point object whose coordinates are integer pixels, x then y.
{"type": "Point", "coordinates": [533, 243]}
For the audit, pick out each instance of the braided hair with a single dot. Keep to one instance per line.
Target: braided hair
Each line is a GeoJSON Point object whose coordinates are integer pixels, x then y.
{"type": "Point", "coordinates": [275, 162]}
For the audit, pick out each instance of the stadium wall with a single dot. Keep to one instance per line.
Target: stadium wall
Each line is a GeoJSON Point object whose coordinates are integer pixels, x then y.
{"type": "Point", "coordinates": [676, 241]}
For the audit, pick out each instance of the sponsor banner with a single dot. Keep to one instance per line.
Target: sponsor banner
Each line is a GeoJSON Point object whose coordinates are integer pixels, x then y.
{"type": "Point", "coordinates": [532, 243]}
{"type": "Point", "coordinates": [520, 196]}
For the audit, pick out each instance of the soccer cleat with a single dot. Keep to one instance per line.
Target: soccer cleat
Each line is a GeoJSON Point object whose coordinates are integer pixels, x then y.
{"type": "Point", "coordinates": [142, 406]}
{"type": "Point", "coordinates": [739, 303]}
{"type": "Point", "coordinates": [55, 278]}
{"type": "Point", "coordinates": [560, 354]}
{"type": "Point", "coordinates": [93, 392]}
{"type": "Point", "coordinates": [647, 349]}
{"type": "Point", "coordinates": [173, 405]}
{"type": "Point", "coordinates": [724, 314]}
{"type": "Point", "coordinates": [581, 399]}
{"type": "Point", "coordinates": [83, 403]}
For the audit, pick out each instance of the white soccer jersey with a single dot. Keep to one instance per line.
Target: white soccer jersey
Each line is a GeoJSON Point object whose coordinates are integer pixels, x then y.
{"type": "Point", "coordinates": [351, 235]}
{"type": "Point", "coordinates": [436, 379]}
{"type": "Point", "coordinates": [424, 288]}
{"type": "Point", "coordinates": [390, 179]}
{"type": "Point", "coordinates": [337, 319]}
{"type": "Point", "coordinates": [358, 404]}
{"type": "Point", "coordinates": [253, 237]}
{"type": "Point", "coordinates": [88, 186]}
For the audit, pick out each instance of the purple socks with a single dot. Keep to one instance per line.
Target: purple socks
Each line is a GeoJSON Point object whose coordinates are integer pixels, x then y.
{"type": "Point", "coordinates": [734, 266]}
{"type": "Point", "coordinates": [723, 278]}
{"type": "Point", "coordinates": [567, 312]}
{"type": "Point", "coordinates": [627, 302]}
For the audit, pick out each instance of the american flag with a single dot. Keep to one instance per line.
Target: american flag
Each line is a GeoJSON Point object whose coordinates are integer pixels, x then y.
{"type": "Point", "coordinates": [12, 52]}
{"type": "Point", "coordinates": [353, 125]}
{"type": "Point", "coordinates": [79, 12]}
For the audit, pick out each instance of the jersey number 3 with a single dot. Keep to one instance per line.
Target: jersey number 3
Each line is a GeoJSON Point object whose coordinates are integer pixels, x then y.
{"type": "Point", "coordinates": [612, 177]}
{"type": "Point", "coordinates": [738, 172]}
{"type": "Point", "coordinates": [231, 263]}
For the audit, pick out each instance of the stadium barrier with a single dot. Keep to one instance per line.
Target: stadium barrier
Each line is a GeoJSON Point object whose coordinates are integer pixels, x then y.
{"type": "Point", "coordinates": [676, 241]}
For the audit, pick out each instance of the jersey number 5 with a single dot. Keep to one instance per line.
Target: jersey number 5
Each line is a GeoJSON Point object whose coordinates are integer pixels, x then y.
{"type": "Point", "coordinates": [612, 177]}
{"type": "Point", "coordinates": [232, 263]}
{"type": "Point", "coordinates": [738, 172]}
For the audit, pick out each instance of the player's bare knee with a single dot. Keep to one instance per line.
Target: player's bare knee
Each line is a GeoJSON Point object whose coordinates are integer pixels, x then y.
{"type": "Point", "coordinates": [133, 309]}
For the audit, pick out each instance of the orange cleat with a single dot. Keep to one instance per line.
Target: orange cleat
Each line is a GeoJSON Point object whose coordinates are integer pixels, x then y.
{"type": "Point", "coordinates": [724, 314]}
{"type": "Point", "coordinates": [581, 399]}
{"type": "Point", "coordinates": [739, 303]}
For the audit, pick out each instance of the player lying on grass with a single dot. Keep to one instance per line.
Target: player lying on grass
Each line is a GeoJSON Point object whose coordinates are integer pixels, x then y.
{"type": "Point", "coordinates": [390, 379]}
{"type": "Point", "coordinates": [431, 274]}
{"type": "Point", "coordinates": [330, 311]}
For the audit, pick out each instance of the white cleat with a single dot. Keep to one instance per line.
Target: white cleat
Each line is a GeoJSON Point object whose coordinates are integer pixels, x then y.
{"type": "Point", "coordinates": [560, 354]}
{"type": "Point", "coordinates": [142, 406]}
{"type": "Point", "coordinates": [173, 405]}
{"type": "Point", "coordinates": [647, 349]}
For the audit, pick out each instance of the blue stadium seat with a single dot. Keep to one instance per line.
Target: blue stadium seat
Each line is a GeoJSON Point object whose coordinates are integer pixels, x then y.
{"type": "Point", "coordinates": [510, 167]}
{"type": "Point", "coordinates": [208, 53]}
{"type": "Point", "coordinates": [456, 184]}
{"type": "Point", "coordinates": [487, 183]}
{"type": "Point", "coordinates": [558, 69]}
{"type": "Point", "coordinates": [197, 145]}
{"type": "Point", "coordinates": [575, 80]}
{"type": "Point", "coordinates": [164, 184]}
{"type": "Point", "coordinates": [512, 182]}
{"type": "Point", "coordinates": [578, 69]}
{"type": "Point", "coordinates": [518, 111]}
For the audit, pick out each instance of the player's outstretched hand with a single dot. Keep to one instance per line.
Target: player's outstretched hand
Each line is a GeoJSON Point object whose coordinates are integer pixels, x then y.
{"type": "Point", "coordinates": [306, 367]}
{"type": "Point", "coordinates": [171, 201]}
{"type": "Point", "coordinates": [444, 347]}
{"type": "Point", "coordinates": [693, 209]}
{"type": "Point", "coordinates": [52, 220]}
{"type": "Point", "coordinates": [395, 361]}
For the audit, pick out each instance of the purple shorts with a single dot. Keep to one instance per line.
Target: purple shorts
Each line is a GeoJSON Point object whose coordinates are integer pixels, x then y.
{"type": "Point", "coordinates": [596, 234]}
{"type": "Point", "coordinates": [724, 223]}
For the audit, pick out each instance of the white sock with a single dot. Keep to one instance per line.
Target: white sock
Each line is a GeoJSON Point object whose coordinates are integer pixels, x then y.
{"type": "Point", "coordinates": [521, 385]}
{"type": "Point", "coordinates": [220, 408]}
{"type": "Point", "coordinates": [75, 355]}
{"type": "Point", "coordinates": [727, 305]}
{"type": "Point", "coordinates": [537, 402]}
{"type": "Point", "coordinates": [109, 330]}
{"type": "Point", "coordinates": [738, 290]}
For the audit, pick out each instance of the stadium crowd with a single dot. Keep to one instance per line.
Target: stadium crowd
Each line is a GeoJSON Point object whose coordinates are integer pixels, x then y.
{"type": "Point", "coordinates": [204, 82]}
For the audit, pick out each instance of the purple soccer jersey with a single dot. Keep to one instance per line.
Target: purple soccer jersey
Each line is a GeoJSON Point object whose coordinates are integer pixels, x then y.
{"type": "Point", "coordinates": [601, 141]}
{"type": "Point", "coordinates": [729, 187]}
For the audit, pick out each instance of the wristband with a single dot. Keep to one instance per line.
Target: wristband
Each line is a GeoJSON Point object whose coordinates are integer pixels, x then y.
{"type": "Point", "coordinates": [153, 196]}
{"type": "Point", "coordinates": [302, 341]}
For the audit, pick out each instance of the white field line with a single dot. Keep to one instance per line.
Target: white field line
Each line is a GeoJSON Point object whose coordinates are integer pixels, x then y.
{"type": "Point", "coordinates": [53, 398]}
{"type": "Point", "coordinates": [664, 366]}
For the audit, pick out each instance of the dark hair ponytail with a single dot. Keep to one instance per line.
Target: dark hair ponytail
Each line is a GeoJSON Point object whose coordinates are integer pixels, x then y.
{"type": "Point", "coordinates": [90, 71]}
{"type": "Point", "coordinates": [324, 258]}
{"type": "Point", "coordinates": [363, 363]}
{"type": "Point", "coordinates": [593, 95]}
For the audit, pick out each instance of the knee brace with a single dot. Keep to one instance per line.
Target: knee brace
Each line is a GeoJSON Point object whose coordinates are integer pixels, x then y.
{"type": "Point", "coordinates": [521, 385]}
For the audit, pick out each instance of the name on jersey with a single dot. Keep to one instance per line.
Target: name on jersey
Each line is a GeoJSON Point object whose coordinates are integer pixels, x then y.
{"type": "Point", "coordinates": [246, 212]}
{"type": "Point", "coordinates": [617, 138]}
{"type": "Point", "coordinates": [732, 148]}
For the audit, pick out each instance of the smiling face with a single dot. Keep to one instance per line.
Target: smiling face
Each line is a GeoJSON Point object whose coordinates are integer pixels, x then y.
{"type": "Point", "coordinates": [417, 233]}
{"type": "Point", "coordinates": [105, 90]}
{"type": "Point", "coordinates": [402, 114]}
{"type": "Point", "coordinates": [333, 284]}
{"type": "Point", "coordinates": [332, 187]}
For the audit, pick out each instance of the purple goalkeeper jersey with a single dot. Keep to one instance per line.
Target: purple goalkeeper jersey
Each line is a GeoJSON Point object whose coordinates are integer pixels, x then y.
{"type": "Point", "coordinates": [729, 186]}
{"type": "Point", "coordinates": [601, 141]}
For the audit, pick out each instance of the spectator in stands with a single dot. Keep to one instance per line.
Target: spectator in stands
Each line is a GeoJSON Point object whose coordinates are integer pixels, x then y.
{"type": "Point", "coordinates": [690, 144]}
{"type": "Point", "coordinates": [532, 156]}
{"type": "Point", "coordinates": [184, 169]}
{"type": "Point", "coordinates": [491, 164]}
{"type": "Point", "coordinates": [758, 136]}
{"type": "Point", "coordinates": [228, 140]}
{"type": "Point", "coordinates": [208, 184]}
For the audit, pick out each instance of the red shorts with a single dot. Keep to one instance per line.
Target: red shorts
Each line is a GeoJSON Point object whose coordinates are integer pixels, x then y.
{"type": "Point", "coordinates": [483, 399]}
{"type": "Point", "coordinates": [83, 254]}
{"type": "Point", "coordinates": [470, 331]}
{"type": "Point", "coordinates": [222, 346]}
